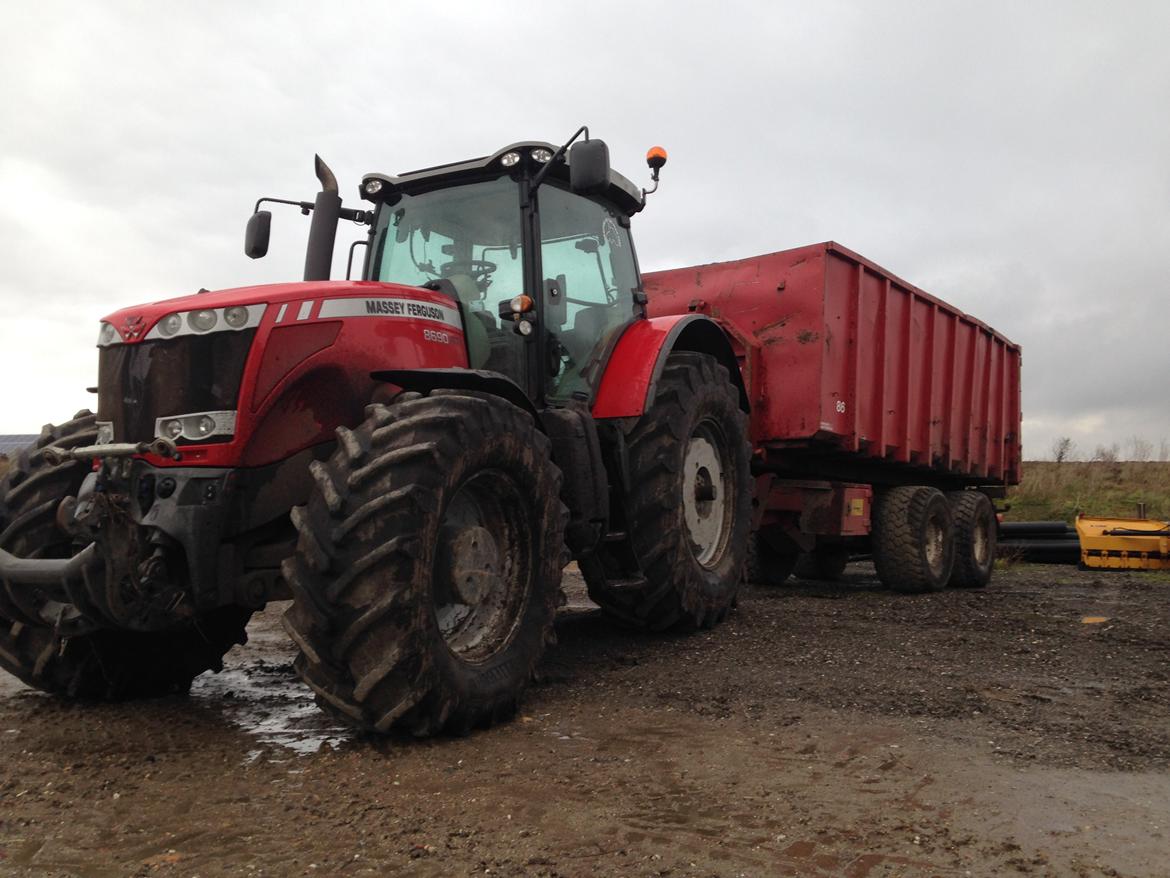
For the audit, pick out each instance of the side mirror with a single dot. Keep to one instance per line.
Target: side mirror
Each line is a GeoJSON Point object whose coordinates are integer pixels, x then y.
{"type": "Point", "coordinates": [589, 166]}
{"type": "Point", "coordinates": [256, 237]}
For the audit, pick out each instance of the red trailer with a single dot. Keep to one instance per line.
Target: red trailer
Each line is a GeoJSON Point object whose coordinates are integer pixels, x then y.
{"type": "Point", "coordinates": [882, 418]}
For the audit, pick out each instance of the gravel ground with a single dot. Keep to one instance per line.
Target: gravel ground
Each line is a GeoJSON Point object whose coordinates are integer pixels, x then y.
{"type": "Point", "coordinates": [824, 730]}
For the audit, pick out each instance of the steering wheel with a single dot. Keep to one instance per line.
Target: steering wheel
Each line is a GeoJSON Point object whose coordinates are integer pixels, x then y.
{"type": "Point", "coordinates": [478, 269]}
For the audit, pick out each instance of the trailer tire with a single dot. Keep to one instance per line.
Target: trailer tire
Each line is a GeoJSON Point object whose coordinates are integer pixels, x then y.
{"type": "Point", "coordinates": [913, 539]}
{"type": "Point", "coordinates": [824, 564]}
{"type": "Point", "coordinates": [428, 565]}
{"type": "Point", "coordinates": [688, 507]}
{"type": "Point", "coordinates": [765, 565]}
{"type": "Point", "coordinates": [975, 539]}
{"type": "Point", "coordinates": [105, 665]}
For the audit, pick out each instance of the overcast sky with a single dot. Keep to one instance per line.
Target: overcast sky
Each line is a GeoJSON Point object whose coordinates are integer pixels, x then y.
{"type": "Point", "coordinates": [1011, 158]}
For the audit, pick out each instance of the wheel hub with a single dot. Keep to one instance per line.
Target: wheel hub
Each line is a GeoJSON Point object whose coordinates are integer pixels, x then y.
{"type": "Point", "coordinates": [934, 543]}
{"type": "Point", "coordinates": [705, 495]}
{"type": "Point", "coordinates": [472, 563]}
{"type": "Point", "coordinates": [981, 547]}
{"type": "Point", "coordinates": [483, 566]}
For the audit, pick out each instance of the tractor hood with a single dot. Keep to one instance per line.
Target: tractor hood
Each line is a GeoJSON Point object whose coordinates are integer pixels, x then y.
{"type": "Point", "coordinates": [249, 376]}
{"type": "Point", "coordinates": [136, 323]}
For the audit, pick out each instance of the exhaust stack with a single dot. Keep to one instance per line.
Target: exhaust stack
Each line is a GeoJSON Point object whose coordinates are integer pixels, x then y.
{"type": "Point", "coordinates": [323, 229]}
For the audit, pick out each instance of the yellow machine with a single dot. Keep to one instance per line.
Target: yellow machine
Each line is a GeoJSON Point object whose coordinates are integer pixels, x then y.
{"type": "Point", "coordinates": [1124, 543]}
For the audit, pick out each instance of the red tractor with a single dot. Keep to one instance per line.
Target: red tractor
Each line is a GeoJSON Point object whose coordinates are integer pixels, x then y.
{"type": "Point", "coordinates": [413, 457]}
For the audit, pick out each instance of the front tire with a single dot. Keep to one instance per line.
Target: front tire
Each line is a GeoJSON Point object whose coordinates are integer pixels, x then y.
{"type": "Point", "coordinates": [689, 505]}
{"type": "Point", "coordinates": [428, 565]}
{"type": "Point", "coordinates": [105, 665]}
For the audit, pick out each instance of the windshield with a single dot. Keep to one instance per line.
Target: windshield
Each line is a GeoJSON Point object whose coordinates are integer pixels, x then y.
{"type": "Point", "coordinates": [471, 236]}
{"type": "Point", "coordinates": [471, 230]}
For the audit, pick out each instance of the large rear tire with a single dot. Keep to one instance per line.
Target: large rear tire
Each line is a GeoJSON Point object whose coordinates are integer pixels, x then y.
{"type": "Point", "coordinates": [765, 565]}
{"type": "Point", "coordinates": [105, 665]}
{"type": "Point", "coordinates": [913, 539]}
{"type": "Point", "coordinates": [975, 539]}
{"type": "Point", "coordinates": [689, 504]}
{"type": "Point", "coordinates": [823, 564]}
{"type": "Point", "coordinates": [428, 566]}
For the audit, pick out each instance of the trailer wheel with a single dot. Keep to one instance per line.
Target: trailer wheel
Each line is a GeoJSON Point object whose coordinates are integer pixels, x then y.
{"type": "Point", "coordinates": [106, 665]}
{"type": "Point", "coordinates": [913, 539]}
{"type": "Point", "coordinates": [824, 563]}
{"type": "Point", "coordinates": [428, 565]}
{"type": "Point", "coordinates": [975, 539]}
{"type": "Point", "coordinates": [688, 509]}
{"type": "Point", "coordinates": [765, 565]}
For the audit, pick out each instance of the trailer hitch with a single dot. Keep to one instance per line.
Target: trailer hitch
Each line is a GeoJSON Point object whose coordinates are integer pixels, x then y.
{"type": "Point", "coordinates": [160, 446]}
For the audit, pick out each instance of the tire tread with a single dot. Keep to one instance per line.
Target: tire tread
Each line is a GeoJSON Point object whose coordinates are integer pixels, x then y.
{"type": "Point", "coordinates": [361, 622]}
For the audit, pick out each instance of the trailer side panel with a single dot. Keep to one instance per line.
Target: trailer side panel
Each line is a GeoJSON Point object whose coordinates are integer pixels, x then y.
{"type": "Point", "coordinates": [850, 368]}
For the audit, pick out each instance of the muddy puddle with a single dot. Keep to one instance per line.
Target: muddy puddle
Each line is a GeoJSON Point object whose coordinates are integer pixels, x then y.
{"type": "Point", "coordinates": [267, 701]}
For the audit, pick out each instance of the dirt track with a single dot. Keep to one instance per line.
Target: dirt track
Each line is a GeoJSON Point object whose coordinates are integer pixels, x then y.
{"type": "Point", "coordinates": [822, 731]}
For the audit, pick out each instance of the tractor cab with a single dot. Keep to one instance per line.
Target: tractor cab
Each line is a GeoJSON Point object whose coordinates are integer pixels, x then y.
{"type": "Point", "coordinates": [537, 255]}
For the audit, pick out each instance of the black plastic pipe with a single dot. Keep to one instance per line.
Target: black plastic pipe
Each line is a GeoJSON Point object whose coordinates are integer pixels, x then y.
{"type": "Point", "coordinates": [1036, 528]}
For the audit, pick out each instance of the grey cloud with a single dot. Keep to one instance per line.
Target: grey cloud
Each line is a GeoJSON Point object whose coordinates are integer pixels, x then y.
{"type": "Point", "coordinates": [1007, 157]}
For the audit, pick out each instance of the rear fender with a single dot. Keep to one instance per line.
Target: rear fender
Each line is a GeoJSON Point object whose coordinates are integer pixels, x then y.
{"type": "Point", "coordinates": [631, 375]}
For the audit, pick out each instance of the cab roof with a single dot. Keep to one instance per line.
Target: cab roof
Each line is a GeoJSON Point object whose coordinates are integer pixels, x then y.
{"type": "Point", "coordinates": [623, 194]}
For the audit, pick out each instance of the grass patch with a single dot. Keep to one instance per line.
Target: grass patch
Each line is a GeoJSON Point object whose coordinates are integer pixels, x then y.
{"type": "Point", "coordinates": [1058, 491]}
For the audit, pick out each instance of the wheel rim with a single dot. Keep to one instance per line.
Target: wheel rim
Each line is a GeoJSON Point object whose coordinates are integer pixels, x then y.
{"type": "Point", "coordinates": [707, 494]}
{"type": "Point", "coordinates": [935, 544]}
{"type": "Point", "coordinates": [484, 566]}
{"type": "Point", "coordinates": [981, 543]}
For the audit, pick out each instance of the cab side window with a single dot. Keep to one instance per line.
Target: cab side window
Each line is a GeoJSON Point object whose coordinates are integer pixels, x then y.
{"type": "Point", "coordinates": [589, 277]}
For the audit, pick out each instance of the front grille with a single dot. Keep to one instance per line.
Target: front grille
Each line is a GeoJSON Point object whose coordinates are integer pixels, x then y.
{"type": "Point", "coordinates": [139, 383]}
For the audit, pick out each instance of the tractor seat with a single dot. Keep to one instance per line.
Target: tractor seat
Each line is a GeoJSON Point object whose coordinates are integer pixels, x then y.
{"type": "Point", "coordinates": [466, 289]}
{"type": "Point", "coordinates": [591, 326]}
{"type": "Point", "coordinates": [478, 325]}
{"type": "Point", "coordinates": [591, 323]}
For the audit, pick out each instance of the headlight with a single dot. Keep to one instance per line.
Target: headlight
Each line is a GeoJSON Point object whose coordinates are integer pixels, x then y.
{"type": "Point", "coordinates": [232, 318]}
{"type": "Point", "coordinates": [509, 158]}
{"type": "Point", "coordinates": [202, 320]}
{"type": "Point", "coordinates": [197, 426]}
{"type": "Point", "coordinates": [107, 335]}
{"type": "Point", "coordinates": [170, 324]}
{"type": "Point", "coordinates": [542, 155]}
{"type": "Point", "coordinates": [236, 316]}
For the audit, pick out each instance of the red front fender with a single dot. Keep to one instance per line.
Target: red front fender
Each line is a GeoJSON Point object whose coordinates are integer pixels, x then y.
{"type": "Point", "coordinates": [640, 355]}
